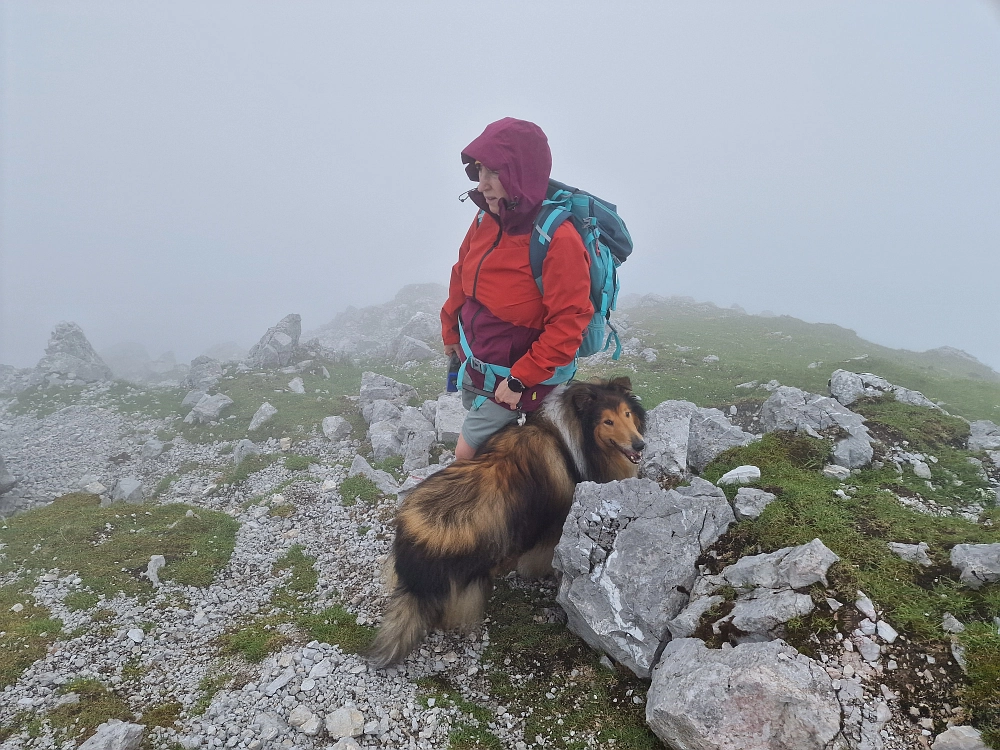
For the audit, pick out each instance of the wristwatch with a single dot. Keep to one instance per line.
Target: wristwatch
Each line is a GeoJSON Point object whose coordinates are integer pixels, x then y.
{"type": "Point", "coordinates": [515, 385]}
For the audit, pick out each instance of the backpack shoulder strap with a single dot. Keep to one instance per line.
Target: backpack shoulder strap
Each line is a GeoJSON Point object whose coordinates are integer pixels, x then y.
{"type": "Point", "coordinates": [556, 208]}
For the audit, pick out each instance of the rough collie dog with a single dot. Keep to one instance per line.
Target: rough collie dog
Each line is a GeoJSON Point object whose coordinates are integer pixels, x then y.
{"type": "Point", "coordinates": [505, 508]}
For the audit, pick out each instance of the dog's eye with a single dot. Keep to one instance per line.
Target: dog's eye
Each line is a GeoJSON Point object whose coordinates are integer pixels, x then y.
{"type": "Point", "coordinates": [628, 414]}
{"type": "Point", "coordinates": [609, 422]}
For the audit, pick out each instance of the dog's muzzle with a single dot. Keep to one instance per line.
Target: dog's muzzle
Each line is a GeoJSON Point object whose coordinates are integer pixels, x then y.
{"type": "Point", "coordinates": [634, 452]}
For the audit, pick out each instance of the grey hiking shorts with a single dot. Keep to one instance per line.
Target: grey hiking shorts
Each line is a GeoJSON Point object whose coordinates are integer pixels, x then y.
{"type": "Point", "coordinates": [480, 423]}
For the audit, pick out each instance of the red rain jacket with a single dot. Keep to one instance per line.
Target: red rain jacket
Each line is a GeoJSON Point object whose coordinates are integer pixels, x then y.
{"type": "Point", "coordinates": [507, 321]}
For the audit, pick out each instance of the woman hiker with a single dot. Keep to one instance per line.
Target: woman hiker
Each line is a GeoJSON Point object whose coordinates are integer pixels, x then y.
{"type": "Point", "coordinates": [522, 341]}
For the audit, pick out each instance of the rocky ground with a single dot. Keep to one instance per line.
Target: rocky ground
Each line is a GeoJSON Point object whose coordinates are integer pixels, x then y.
{"type": "Point", "coordinates": [262, 650]}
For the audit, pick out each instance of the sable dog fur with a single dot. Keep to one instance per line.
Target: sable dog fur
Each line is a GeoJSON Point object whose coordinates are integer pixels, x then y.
{"type": "Point", "coordinates": [505, 508]}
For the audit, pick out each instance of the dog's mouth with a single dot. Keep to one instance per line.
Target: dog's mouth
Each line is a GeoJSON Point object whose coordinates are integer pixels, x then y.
{"type": "Point", "coordinates": [633, 456]}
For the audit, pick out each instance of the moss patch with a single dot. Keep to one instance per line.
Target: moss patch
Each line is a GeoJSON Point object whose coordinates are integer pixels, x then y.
{"type": "Point", "coordinates": [543, 672]}
{"type": "Point", "coordinates": [358, 488]}
{"type": "Point", "coordinates": [110, 547]}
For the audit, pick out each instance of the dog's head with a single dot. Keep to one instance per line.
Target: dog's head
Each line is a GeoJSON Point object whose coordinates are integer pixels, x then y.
{"type": "Point", "coordinates": [612, 415]}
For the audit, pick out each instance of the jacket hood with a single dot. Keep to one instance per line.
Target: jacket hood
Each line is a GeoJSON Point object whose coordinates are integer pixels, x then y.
{"type": "Point", "coordinates": [519, 151]}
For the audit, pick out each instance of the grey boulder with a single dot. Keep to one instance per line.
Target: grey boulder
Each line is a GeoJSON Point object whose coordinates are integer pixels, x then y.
{"type": "Point", "coordinates": [750, 502]}
{"type": "Point", "coordinates": [208, 409]}
{"type": "Point", "coordinates": [192, 398]}
{"type": "Point", "coordinates": [984, 435]}
{"type": "Point", "coordinates": [115, 734]}
{"type": "Point", "coordinates": [711, 433]}
{"type": "Point", "coordinates": [847, 387]}
{"type": "Point", "coordinates": [69, 356]}
{"type": "Point", "coordinates": [243, 450]}
{"type": "Point", "coordinates": [7, 480]}
{"type": "Point", "coordinates": [789, 567]}
{"type": "Point", "coordinates": [978, 563]}
{"type": "Point", "coordinates": [756, 696]}
{"type": "Point", "coordinates": [375, 387]}
{"type": "Point", "coordinates": [912, 553]}
{"type": "Point", "coordinates": [276, 347]}
{"type": "Point", "coordinates": [204, 373]}
{"type": "Point", "coordinates": [960, 738]}
{"type": "Point", "coordinates": [382, 436]}
{"type": "Point", "coordinates": [627, 555]}
{"type": "Point", "coordinates": [382, 479]}
{"type": "Point", "coordinates": [264, 414]}
{"type": "Point", "coordinates": [336, 428]}
{"type": "Point", "coordinates": [668, 431]}
{"type": "Point", "coordinates": [449, 417]}
{"type": "Point", "coordinates": [793, 409]}
{"type": "Point", "coordinates": [151, 449]}
{"type": "Point", "coordinates": [129, 490]}
{"type": "Point", "coordinates": [408, 349]}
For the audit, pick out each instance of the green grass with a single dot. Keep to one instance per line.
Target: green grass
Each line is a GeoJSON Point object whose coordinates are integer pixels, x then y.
{"type": "Point", "coordinates": [97, 705]}
{"type": "Point", "coordinates": [43, 402]}
{"type": "Point", "coordinates": [257, 637]}
{"type": "Point", "coordinates": [981, 697]}
{"type": "Point", "coordinates": [296, 462]}
{"type": "Point", "coordinates": [26, 635]}
{"type": "Point", "coordinates": [357, 488]}
{"type": "Point", "coordinates": [528, 659]}
{"type": "Point", "coordinates": [249, 465]}
{"type": "Point", "coordinates": [297, 415]}
{"type": "Point", "coordinates": [750, 348]}
{"type": "Point", "coordinates": [110, 547]}
{"type": "Point", "coordinates": [208, 686]}
{"type": "Point", "coordinates": [471, 730]}
{"type": "Point", "coordinates": [80, 601]}
{"type": "Point", "coordinates": [858, 530]}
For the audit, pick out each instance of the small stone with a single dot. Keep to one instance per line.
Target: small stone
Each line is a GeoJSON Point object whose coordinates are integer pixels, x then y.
{"type": "Point", "coordinates": [886, 632]}
{"type": "Point", "coordinates": [295, 385]}
{"type": "Point", "coordinates": [960, 738]}
{"type": "Point", "coordinates": [345, 722]}
{"type": "Point", "coordinates": [136, 635]}
{"type": "Point", "coordinates": [740, 475]}
{"type": "Point", "coordinates": [865, 606]}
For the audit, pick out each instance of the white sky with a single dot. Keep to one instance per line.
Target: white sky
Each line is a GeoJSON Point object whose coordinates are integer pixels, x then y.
{"type": "Point", "coordinates": [185, 173]}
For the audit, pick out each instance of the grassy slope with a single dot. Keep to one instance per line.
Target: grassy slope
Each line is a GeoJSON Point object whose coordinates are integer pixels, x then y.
{"type": "Point", "coordinates": [755, 348]}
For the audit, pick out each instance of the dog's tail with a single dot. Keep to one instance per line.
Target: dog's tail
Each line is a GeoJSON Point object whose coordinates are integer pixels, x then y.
{"type": "Point", "coordinates": [407, 622]}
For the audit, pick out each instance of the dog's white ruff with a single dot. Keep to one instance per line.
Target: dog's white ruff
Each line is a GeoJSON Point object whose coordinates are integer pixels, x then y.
{"type": "Point", "coordinates": [555, 410]}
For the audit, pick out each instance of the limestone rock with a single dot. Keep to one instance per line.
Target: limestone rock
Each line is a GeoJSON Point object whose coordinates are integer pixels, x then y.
{"type": "Point", "coordinates": [632, 541]}
{"type": "Point", "coordinates": [789, 567]}
{"type": "Point", "coordinates": [345, 722]}
{"type": "Point", "coordinates": [848, 387]}
{"type": "Point", "coordinates": [797, 410]}
{"type": "Point", "coordinates": [336, 428]}
{"type": "Point", "coordinates": [69, 356]}
{"type": "Point", "coordinates": [833, 471]}
{"type": "Point", "coordinates": [382, 436]}
{"type": "Point", "coordinates": [740, 475]}
{"type": "Point", "coordinates": [750, 502]}
{"type": "Point", "coordinates": [115, 735]}
{"type": "Point", "coordinates": [978, 563]}
{"type": "Point", "coordinates": [204, 374]}
{"type": "Point", "coordinates": [711, 433]}
{"type": "Point", "coordinates": [448, 417]}
{"type": "Point", "coordinates": [408, 349]}
{"type": "Point", "coordinates": [129, 490]}
{"type": "Point", "coordinates": [243, 450]}
{"type": "Point", "coordinates": [375, 387]}
{"type": "Point", "coordinates": [762, 611]}
{"type": "Point", "coordinates": [984, 435]}
{"type": "Point", "coordinates": [153, 568]}
{"type": "Point", "coordinates": [277, 346]}
{"type": "Point", "coordinates": [151, 449]}
{"type": "Point", "coordinates": [668, 432]}
{"type": "Point", "coordinates": [262, 416]}
{"type": "Point", "coordinates": [756, 696]}
{"type": "Point", "coordinates": [960, 738]}
{"type": "Point", "coordinates": [382, 479]}
{"type": "Point", "coordinates": [913, 553]}
{"type": "Point", "coordinates": [295, 385]}
{"type": "Point", "coordinates": [7, 480]}
{"type": "Point", "coordinates": [192, 398]}
{"type": "Point", "coordinates": [208, 409]}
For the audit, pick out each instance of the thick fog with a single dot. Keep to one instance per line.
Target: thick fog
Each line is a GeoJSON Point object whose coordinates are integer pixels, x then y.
{"type": "Point", "coordinates": [186, 173]}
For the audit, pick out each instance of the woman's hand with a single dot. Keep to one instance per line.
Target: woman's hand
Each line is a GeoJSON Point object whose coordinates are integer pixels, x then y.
{"type": "Point", "coordinates": [455, 349]}
{"type": "Point", "coordinates": [505, 395]}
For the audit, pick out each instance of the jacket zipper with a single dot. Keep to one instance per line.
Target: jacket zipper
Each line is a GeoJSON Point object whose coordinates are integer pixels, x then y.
{"type": "Point", "coordinates": [475, 284]}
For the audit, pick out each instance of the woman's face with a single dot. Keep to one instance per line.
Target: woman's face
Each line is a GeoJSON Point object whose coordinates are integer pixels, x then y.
{"type": "Point", "coordinates": [490, 187]}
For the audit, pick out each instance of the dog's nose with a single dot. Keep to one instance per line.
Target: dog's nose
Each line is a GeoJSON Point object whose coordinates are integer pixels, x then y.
{"type": "Point", "coordinates": [638, 445]}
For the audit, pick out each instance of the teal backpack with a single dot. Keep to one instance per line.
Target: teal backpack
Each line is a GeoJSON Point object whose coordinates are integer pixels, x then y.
{"type": "Point", "coordinates": [608, 243]}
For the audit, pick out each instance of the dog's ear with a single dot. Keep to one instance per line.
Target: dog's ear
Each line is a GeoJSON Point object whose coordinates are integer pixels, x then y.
{"type": "Point", "coordinates": [624, 382]}
{"type": "Point", "coordinates": [582, 399]}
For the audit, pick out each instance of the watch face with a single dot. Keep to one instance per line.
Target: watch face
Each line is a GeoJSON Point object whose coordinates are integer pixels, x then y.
{"type": "Point", "coordinates": [515, 385]}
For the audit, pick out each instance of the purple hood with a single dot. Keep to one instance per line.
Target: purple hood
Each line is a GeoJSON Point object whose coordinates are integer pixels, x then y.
{"type": "Point", "coordinates": [519, 151]}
